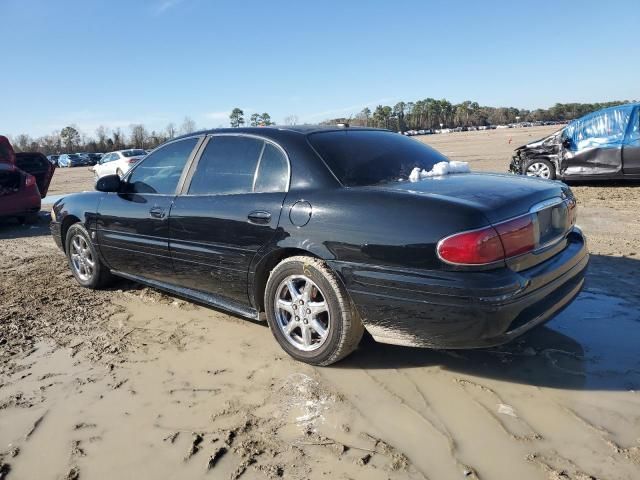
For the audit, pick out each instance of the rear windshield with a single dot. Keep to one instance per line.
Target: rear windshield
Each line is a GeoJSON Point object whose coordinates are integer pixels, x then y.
{"type": "Point", "coordinates": [74, 156]}
{"type": "Point", "coordinates": [370, 157]}
{"type": "Point", "coordinates": [133, 153]}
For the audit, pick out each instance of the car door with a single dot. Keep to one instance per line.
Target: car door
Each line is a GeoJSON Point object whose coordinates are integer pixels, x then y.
{"type": "Point", "coordinates": [631, 148]}
{"type": "Point", "coordinates": [133, 224]}
{"type": "Point", "coordinates": [100, 167]}
{"type": "Point", "coordinates": [229, 208]}
{"type": "Point", "coordinates": [592, 145]}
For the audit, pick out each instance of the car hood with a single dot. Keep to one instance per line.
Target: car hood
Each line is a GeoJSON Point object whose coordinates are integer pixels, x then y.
{"type": "Point", "coordinates": [545, 143]}
{"type": "Point", "coordinates": [498, 196]}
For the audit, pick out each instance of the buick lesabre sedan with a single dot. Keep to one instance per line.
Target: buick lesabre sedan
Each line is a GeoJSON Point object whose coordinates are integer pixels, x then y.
{"type": "Point", "coordinates": [328, 231]}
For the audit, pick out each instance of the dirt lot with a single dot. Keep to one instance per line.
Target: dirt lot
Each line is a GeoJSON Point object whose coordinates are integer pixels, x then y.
{"type": "Point", "coordinates": [131, 383]}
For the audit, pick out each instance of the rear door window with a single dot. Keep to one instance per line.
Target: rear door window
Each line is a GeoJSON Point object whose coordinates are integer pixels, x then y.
{"type": "Point", "coordinates": [273, 171]}
{"type": "Point", "coordinates": [227, 166]}
{"type": "Point", "coordinates": [160, 172]}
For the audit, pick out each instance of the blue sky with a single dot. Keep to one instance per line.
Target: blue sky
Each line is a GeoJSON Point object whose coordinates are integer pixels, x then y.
{"type": "Point", "coordinates": [116, 62]}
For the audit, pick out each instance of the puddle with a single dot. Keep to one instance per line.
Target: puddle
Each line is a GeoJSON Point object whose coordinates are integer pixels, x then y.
{"type": "Point", "coordinates": [607, 329]}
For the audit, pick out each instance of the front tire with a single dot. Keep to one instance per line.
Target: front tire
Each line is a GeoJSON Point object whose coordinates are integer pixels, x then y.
{"type": "Point", "coordinates": [309, 312]}
{"type": "Point", "coordinates": [83, 259]}
{"type": "Point", "coordinates": [541, 168]}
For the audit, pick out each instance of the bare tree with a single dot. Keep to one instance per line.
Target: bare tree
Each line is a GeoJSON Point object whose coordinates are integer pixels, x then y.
{"type": "Point", "coordinates": [291, 120]}
{"type": "Point", "coordinates": [118, 139]}
{"type": "Point", "coordinates": [171, 130]}
{"type": "Point", "coordinates": [101, 135]}
{"type": "Point", "coordinates": [188, 125]}
{"type": "Point", "coordinates": [139, 135]}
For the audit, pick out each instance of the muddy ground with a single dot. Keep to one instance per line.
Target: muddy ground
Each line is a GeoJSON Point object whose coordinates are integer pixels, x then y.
{"type": "Point", "coordinates": [131, 383]}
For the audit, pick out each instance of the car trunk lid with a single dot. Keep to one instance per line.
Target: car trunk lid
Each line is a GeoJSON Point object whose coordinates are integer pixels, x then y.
{"type": "Point", "coordinates": [498, 196]}
{"type": "Point", "coordinates": [547, 207]}
{"type": "Point", "coordinates": [37, 165]}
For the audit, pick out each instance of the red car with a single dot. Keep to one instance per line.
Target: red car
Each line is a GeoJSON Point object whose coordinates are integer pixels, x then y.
{"type": "Point", "coordinates": [24, 180]}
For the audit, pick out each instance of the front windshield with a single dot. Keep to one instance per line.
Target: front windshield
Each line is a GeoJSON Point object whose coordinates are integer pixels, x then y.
{"type": "Point", "coordinates": [370, 157]}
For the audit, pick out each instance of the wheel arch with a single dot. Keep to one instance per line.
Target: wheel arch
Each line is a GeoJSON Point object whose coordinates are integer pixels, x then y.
{"type": "Point", "coordinates": [265, 265]}
{"type": "Point", "coordinates": [64, 228]}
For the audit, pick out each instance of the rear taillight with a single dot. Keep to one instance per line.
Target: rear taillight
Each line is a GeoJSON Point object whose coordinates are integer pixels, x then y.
{"type": "Point", "coordinates": [518, 236]}
{"type": "Point", "coordinates": [491, 244]}
{"type": "Point", "coordinates": [29, 181]}
{"type": "Point", "coordinates": [133, 160]}
{"type": "Point", "coordinates": [472, 248]}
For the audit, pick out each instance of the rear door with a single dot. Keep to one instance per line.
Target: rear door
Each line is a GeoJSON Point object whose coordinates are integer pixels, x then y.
{"type": "Point", "coordinates": [631, 148]}
{"type": "Point", "coordinates": [229, 208]}
{"type": "Point", "coordinates": [133, 225]}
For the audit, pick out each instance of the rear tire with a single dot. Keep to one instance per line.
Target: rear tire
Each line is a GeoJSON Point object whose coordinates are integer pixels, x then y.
{"type": "Point", "coordinates": [541, 168]}
{"type": "Point", "coordinates": [83, 258]}
{"type": "Point", "coordinates": [309, 312]}
{"type": "Point", "coordinates": [119, 173]}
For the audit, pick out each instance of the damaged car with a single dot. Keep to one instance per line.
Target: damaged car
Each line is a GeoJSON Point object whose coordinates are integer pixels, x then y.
{"type": "Point", "coordinates": [331, 231]}
{"type": "Point", "coordinates": [603, 145]}
{"type": "Point", "coordinates": [24, 181]}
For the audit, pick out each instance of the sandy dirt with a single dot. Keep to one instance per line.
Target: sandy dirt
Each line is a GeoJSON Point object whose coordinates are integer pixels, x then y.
{"type": "Point", "coordinates": [132, 383]}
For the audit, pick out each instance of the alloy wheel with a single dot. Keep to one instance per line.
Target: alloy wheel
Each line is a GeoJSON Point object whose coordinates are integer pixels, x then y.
{"type": "Point", "coordinates": [82, 258]}
{"type": "Point", "coordinates": [539, 169]}
{"type": "Point", "coordinates": [302, 313]}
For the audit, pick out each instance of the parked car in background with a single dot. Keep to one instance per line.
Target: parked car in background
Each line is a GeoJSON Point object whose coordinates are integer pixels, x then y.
{"type": "Point", "coordinates": [118, 163]}
{"type": "Point", "coordinates": [71, 160]}
{"type": "Point", "coordinates": [24, 180]}
{"type": "Point", "coordinates": [279, 220]}
{"type": "Point", "coordinates": [603, 145]}
{"type": "Point", "coordinates": [94, 158]}
{"type": "Point", "coordinates": [53, 159]}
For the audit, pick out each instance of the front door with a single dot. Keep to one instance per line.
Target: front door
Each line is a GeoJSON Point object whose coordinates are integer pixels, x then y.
{"type": "Point", "coordinates": [594, 143]}
{"type": "Point", "coordinates": [229, 209]}
{"type": "Point", "coordinates": [133, 225]}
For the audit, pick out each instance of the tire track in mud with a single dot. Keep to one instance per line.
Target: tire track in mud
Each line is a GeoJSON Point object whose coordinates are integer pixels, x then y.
{"type": "Point", "coordinates": [516, 427]}
{"type": "Point", "coordinates": [431, 418]}
{"type": "Point", "coordinates": [630, 453]}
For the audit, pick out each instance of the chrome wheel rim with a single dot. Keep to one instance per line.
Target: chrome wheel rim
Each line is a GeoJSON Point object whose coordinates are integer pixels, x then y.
{"type": "Point", "coordinates": [539, 169]}
{"type": "Point", "coordinates": [82, 258]}
{"type": "Point", "coordinates": [302, 313]}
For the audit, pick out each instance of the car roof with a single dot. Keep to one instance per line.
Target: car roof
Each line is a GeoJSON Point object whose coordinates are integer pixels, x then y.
{"type": "Point", "coordinates": [268, 131]}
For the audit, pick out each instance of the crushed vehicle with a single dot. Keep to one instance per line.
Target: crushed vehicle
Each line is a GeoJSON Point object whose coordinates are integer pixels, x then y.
{"type": "Point", "coordinates": [328, 231]}
{"type": "Point", "coordinates": [603, 145]}
{"type": "Point", "coordinates": [24, 181]}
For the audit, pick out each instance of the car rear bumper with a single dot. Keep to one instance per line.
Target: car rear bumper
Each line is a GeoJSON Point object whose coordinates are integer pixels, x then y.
{"type": "Point", "coordinates": [23, 202]}
{"type": "Point", "coordinates": [449, 309]}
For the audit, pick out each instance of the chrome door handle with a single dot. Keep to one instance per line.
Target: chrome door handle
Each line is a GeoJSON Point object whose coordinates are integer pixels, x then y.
{"type": "Point", "coordinates": [259, 217]}
{"type": "Point", "coordinates": [157, 212]}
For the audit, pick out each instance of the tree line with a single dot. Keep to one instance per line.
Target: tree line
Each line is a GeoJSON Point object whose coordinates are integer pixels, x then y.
{"type": "Point", "coordinates": [433, 114]}
{"type": "Point", "coordinates": [417, 115]}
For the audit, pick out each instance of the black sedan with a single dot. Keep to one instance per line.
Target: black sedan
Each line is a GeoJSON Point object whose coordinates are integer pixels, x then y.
{"type": "Point", "coordinates": [331, 231]}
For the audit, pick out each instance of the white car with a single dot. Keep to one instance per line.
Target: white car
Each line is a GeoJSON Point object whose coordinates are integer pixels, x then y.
{"type": "Point", "coordinates": [118, 163]}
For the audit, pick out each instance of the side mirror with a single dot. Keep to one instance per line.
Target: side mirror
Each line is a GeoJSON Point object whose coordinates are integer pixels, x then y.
{"type": "Point", "coordinates": [109, 183]}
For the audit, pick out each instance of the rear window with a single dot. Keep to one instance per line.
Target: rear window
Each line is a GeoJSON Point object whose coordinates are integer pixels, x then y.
{"type": "Point", "coordinates": [133, 153]}
{"type": "Point", "coordinates": [370, 157]}
{"type": "Point", "coordinates": [73, 156]}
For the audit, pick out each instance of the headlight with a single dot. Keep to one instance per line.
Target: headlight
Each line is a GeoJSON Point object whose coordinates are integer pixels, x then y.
{"type": "Point", "coordinates": [53, 215]}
